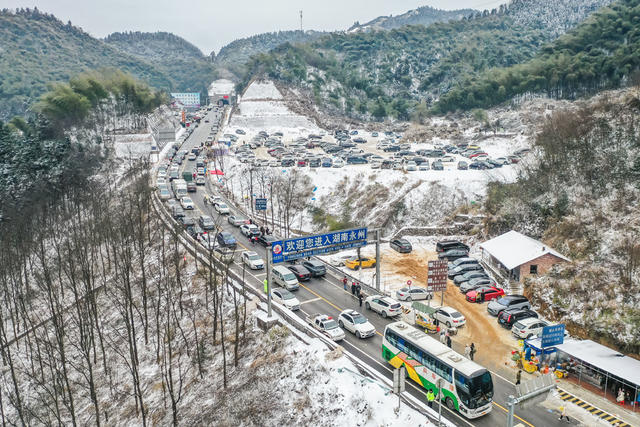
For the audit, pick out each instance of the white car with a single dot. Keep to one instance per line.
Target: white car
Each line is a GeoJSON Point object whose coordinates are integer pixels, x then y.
{"type": "Point", "coordinates": [449, 316]}
{"type": "Point", "coordinates": [208, 240]}
{"type": "Point", "coordinates": [249, 230]}
{"type": "Point", "coordinates": [285, 298]}
{"type": "Point", "coordinates": [200, 180]}
{"type": "Point", "coordinates": [187, 203]}
{"type": "Point", "coordinates": [212, 199]}
{"type": "Point", "coordinates": [164, 194]}
{"type": "Point", "coordinates": [385, 306]}
{"type": "Point", "coordinates": [236, 220]}
{"type": "Point", "coordinates": [356, 323]}
{"type": "Point", "coordinates": [413, 294]}
{"type": "Point", "coordinates": [376, 165]}
{"type": "Point", "coordinates": [192, 156]}
{"type": "Point", "coordinates": [221, 208]}
{"type": "Point", "coordinates": [252, 260]}
{"type": "Point", "coordinates": [161, 180]}
{"type": "Point", "coordinates": [338, 163]}
{"type": "Point", "coordinates": [411, 166]}
{"type": "Point", "coordinates": [528, 328]}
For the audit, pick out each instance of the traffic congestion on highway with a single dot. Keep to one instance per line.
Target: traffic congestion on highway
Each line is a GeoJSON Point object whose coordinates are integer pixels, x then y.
{"type": "Point", "coordinates": [368, 327]}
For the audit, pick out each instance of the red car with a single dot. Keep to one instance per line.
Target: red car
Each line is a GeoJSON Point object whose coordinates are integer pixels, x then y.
{"type": "Point", "coordinates": [301, 163]}
{"type": "Point", "coordinates": [477, 155]}
{"type": "Point", "coordinates": [484, 293]}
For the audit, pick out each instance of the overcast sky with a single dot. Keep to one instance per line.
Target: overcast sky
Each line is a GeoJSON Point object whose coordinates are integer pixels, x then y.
{"type": "Point", "coordinates": [210, 24]}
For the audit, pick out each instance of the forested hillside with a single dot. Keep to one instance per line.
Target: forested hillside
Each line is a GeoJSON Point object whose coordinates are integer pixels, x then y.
{"type": "Point", "coordinates": [186, 67]}
{"type": "Point", "coordinates": [233, 56]}
{"type": "Point", "coordinates": [37, 49]}
{"type": "Point", "coordinates": [582, 196]}
{"type": "Point", "coordinates": [602, 52]}
{"type": "Point", "coordinates": [425, 15]}
{"type": "Point", "coordinates": [396, 72]}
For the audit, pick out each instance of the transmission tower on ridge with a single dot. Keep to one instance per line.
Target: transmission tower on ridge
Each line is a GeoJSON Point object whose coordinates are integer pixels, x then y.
{"type": "Point", "coordinates": [301, 22]}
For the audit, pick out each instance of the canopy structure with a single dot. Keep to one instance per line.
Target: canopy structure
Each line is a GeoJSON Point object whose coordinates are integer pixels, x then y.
{"type": "Point", "coordinates": [513, 249]}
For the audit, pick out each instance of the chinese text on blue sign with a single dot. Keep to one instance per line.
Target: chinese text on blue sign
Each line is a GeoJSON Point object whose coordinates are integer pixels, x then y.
{"type": "Point", "coordinates": [302, 247]}
{"type": "Point", "coordinates": [261, 204]}
{"type": "Point", "coordinates": [552, 335]}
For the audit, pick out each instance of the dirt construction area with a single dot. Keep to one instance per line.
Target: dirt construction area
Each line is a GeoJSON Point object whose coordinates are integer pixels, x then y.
{"type": "Point", "coordinates": [493, 343]}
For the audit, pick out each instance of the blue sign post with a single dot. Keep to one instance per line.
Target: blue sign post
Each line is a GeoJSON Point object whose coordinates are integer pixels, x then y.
{"type": "Point", "coordinates": [261, 204]}
{"type": "Point", "coordinates": [552, 335]}
{"type": "Point", "coordinates": [302, 247]}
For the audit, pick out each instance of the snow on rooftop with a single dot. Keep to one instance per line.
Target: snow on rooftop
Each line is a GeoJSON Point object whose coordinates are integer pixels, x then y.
{"type": "Point", "coordinates": [604, 358]}
{"type": "Point", "coordinates": [513, 249]}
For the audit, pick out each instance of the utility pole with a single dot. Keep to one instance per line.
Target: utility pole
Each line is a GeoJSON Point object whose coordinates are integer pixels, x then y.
{"type": "Point", "coordinates": [378, 260]}
{"type": "Point", "coordinates": [301, 22]}
{"type": "Point", "coordinates": [439, 401]}
{"type": "Point", "coordinates": [268, 279]}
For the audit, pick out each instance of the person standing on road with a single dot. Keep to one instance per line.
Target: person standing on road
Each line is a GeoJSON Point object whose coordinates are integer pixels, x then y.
{"type": "Point", "coordinates": [353, 288]}
{"type": "Point", "coordinates": [443, 337]}
{"type": "Point", "coordinates": [430, 398]}
{"type": "Point", "coordinates": [467, 351]}
{"type": "Point", "coordinates": [448, 341]}
{"type": "Point", "coordinates": [262, 230]}
{"type": "Point", "coordinates": [358, 289]}
{"type": "Point", "coordinates": [473, 350]}
{"type": "Point", "coordinates": [518, 376]}
{"type": "Point", "coordinates": [268, 231]}
{"type": "Point", "coordinates": [360, 298]}
{"type": "Point", "coordinates": [344, 282]}
{"type": "Point", "coordinates": [563, 414]}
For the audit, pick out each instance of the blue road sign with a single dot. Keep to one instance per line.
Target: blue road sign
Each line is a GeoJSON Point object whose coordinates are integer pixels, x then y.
{"type": "Point", "coordinates": [302, 247]}
{"type": "Point", "coordinates": [261, 204]}
{"type": "Point", "coordinates": [552, 335]}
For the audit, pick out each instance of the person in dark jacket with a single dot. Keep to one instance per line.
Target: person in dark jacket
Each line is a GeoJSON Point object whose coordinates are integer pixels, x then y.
{"type": "Point", "coordinates": [448, 341]}
{"type": "Point", "coordinates": [353, 288]}
{"type": "Point", "coordinates": [360, 298]}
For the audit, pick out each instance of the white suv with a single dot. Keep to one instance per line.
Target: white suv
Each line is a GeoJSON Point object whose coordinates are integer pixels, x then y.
{"type": "Point", "coordinates": [252, 260]}
{"type": "Point", "coordinates": [449, 316]}
{"type": "Point", "coordinates": [385, 306]}
{"type": "Point", "coordinates": [528, 328]}
{"type": "Point", "coordinates": [356, 323]}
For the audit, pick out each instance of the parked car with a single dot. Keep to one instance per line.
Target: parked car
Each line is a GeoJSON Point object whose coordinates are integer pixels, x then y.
{"type": "Point", "coordinates": [484, 293]}
{"type": "Point", "coordinates": [509, 302]}
{"type": "Point", "coordinates": [507, 318]}
{"type": "Point", "coordinates": [252, 260]}
{"type": "Point", "coordinates": [249, 230]}
{"type": "Point", "coordinates": [462, 165]}
{"type": "Point", "coordinates": [383, 305]}
{"type": "Point", "coordinates": [468, 276]}
{"type": "Point", "coordinates": [354, 264]}
{"type": "Point", "coordinates": [221, 208]}
{"type": "Point", "coordinates": [286, 298]}
{"type": "Point", "coordinates": [356, 323]}
{"type": "Point", "coordinates": [267, 240]}
{"type": "Point", "coordinates": [445, 245]}
{"type": "Point", "coordinates": [475, 284]}
{"type": "Point", "coordinates": [401, 245]}
{"type": "Point", "coordinates": [226, 240]}
{"type": "Point", "coordinates": [315, 267]}
{"type": "Point", "coordinates": [237, 220]}
{"type": "Point", "coordinates": [437, 166]}
{"type": "Point", "coordinates": [301, 273]}
{"type": "Point", "coordinates": [462, 261]}
{"type": "Point", "coordinates": [528, 328]}
{"type": "Point", "coordinates": [177, 211]}
{"type": "Point", "coordinates": [206, 222]}
{"type": "Point", "coordinates": [414, 293]}
{"type": "Point", "coordinates": [453, 254]}
{"type": "Point", "coordinates": [449, 316]}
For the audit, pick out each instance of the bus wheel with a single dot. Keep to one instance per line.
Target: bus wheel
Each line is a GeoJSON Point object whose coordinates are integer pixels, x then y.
{"type": "Point", "coordinates": [449, 404]}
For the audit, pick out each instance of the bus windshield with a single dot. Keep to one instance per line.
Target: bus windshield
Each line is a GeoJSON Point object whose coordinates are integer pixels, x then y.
{"type": "Point", "coordinates": [475, 391]}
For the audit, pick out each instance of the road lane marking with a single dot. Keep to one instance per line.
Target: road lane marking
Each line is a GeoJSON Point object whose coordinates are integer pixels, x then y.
{"type": "Point", "coordinates": [507, 411]}
{"type": "Point", "coordinates": [310, 300]}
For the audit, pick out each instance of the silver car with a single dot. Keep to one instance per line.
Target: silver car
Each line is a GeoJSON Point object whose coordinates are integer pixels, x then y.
{"type": "Point", "coordinates": [413, 294]}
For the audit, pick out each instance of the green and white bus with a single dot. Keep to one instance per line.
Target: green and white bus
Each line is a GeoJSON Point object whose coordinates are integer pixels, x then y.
{"type": "Point", "coordinates": [466, 386]}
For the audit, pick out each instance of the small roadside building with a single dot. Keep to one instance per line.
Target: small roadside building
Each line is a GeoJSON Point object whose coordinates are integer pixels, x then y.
{"type": "Point", "coordinates": [516, 256]}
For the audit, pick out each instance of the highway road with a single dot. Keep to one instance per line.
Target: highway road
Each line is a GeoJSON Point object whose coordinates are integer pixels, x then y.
{"type": "Point", "coordinates": [326, 295]}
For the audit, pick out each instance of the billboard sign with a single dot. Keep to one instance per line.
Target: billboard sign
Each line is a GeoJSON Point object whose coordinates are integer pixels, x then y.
{"type": "Point", "coordinates": [261, 204]}
{"type": "Point", "coordinates": [552, 335]}
{"type": "Point", "coordinates": [437, 275]}
{"type": "Point", "coordinates": [319, 244]}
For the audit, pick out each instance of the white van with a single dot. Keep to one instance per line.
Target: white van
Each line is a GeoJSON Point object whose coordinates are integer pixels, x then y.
{"type": "Point", "coordinates": [284, 277]}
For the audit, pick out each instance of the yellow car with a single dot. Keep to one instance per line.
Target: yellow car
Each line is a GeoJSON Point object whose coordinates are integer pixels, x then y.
{"type": "Point", "coordinates": [473, 147]}
{"type": "Point", "coordinates": [364, 263]}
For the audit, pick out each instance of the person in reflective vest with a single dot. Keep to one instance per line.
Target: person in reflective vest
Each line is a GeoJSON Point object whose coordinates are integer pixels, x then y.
{"type": "Point", "coordinates": [265, 286]}
{"type": "Point", "coordinates": [430, 398]}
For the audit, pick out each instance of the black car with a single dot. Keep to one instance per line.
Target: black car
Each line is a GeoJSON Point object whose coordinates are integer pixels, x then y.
{"type": "Point", "coordinates": [314, 163]}
{"type": "Point", "coordinates": [391, 149]}
{"type": "Point", "coordinates": [468, 276]}
{"type": "Point", "coordinates": [315, 267]}
{"type": "Point", "coordinates": [356, 160]}
{"type": "Point", "coordinates": [206, 222]}
{"type": "Point", "coordinates": [445, 245]}
{"type": "Point", "coordinates": [301, 273]}
{"type": "Point", "coordinates": [478, 165]}
{"type": "Point", "coordinates": [267, 240]}
{"type": "Point", "coordinates": [287, 163]}
{"type": "Point", "coordinates": [494, 163]}
{"type": "Point", "coordinates": [507, 318]}
{"type": "Point", "coordinates": [226, 240]}
{"type": "Point", "coordinates": [401, 245]}
{"type": "Point", "coordinates": [453, 254]}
